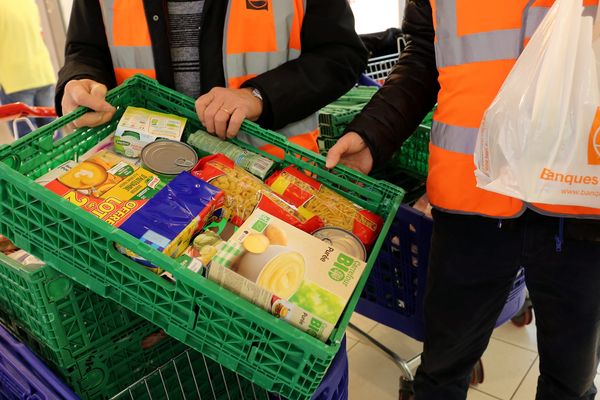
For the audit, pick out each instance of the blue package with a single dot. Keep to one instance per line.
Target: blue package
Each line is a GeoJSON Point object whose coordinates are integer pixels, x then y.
{"type": "Point", "coordinates": [169, 220]}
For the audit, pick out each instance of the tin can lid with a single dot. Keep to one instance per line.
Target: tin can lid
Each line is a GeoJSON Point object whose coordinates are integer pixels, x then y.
{"type": "Point", "coordinates": [342, 240]}
{"type": "Point", "coordinates": [168, 157]}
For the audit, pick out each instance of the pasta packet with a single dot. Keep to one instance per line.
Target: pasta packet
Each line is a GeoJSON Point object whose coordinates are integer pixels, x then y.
{"type": "Point", "coordinates": [310, 196]}
{"type": "Point", "coordinates": [244, 193]}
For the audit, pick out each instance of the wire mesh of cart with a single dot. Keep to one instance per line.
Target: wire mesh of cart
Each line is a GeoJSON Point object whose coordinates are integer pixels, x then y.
{"type": "Point", "coordinates": [378, 68]}
{"type": "Point", "coordinates": [192, 376]}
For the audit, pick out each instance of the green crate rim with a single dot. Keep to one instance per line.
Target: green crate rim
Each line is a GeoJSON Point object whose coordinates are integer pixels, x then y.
{"type": "Point", "coordinates": [48, 154]}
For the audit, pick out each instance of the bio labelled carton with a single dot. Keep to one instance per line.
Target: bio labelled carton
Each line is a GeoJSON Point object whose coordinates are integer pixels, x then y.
{"type": "Point", "coordinates": [287, 272]}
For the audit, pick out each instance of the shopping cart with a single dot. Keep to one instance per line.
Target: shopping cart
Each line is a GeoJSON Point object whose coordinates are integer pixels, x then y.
{"type": "Point", "coordinates": [394, 293]}
{"type": "Point", "coordinates": [192, 376]}
{"type": "Point", "coordinates": [378, 68]}
{"type": "Point", "coordinates": [20, 112]}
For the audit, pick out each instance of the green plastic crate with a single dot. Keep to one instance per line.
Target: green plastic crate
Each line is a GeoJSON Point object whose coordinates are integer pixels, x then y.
{"type": "Point", "coordinates": [196, 311]}
{"type": "Point", "coordinates": [191, 375]}
{"type": "Point", "coordinates": [69, 319]}
{"type": "Point", "coordinates": [109, 369]}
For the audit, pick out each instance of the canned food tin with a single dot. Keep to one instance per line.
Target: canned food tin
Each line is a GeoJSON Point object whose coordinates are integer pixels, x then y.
{"type": "Point", "coordinates": [168, 157]}
{"type": "Point", "coordinates": [342, 240]}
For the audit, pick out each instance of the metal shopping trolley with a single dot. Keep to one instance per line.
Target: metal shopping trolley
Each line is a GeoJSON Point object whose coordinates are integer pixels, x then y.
{"type": "Point", "coordinates": [394, 292]}
{"type": "Point", "coordinates": [20, 112]}
{"type": "Point", "coordinates": [191, 375]}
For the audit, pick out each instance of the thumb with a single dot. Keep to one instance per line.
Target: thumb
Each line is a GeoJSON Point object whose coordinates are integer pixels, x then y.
{"type": "Point", "coordinates": [98, 90]}
{"type": "Point", "coordinates": [336, 152]}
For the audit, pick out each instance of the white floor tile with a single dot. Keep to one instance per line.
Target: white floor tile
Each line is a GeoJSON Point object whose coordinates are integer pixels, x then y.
{"type": "Point", "coordinates": [519, 336]}
{"type": "Point", "coordinates": [477, 395]}
{"type": "Point", "coordinates": [372, 375]}
{"type": "Point", "coordinates": [396, 341]}
{"type": "Point", "coordinates": [350, 342]}
{"type": "Point", "coordinates": [528, 387]}
{"type": "Point", "coordinates": [363, 323]}
{"type": "Point", "coordinates": [504, 366]}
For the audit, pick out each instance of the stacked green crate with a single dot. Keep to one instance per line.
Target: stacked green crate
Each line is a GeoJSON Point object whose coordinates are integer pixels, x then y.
{"type": "Point", "coordinates": [334, 117]}
{"type": "Point", "coordinates": [92, 342]}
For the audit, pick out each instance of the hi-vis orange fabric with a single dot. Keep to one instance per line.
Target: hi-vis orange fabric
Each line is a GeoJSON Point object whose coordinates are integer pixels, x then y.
{"type": "Point", "coordinates": [256, 39]}
{"type": "Point", "coordinates": [477, 43]}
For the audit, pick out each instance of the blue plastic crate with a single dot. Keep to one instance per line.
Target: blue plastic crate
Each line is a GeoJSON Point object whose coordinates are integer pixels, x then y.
{"type": "Point", "coordinates": [393, 294]}
{"type": "Point", "coordinates": [24, 377]}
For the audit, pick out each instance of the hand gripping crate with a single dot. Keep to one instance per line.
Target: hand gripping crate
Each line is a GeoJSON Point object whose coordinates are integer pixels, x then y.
{"type": "Point", "coordinates": [240, 336]}
{"type": "Point", "coordinates": [24, 377]}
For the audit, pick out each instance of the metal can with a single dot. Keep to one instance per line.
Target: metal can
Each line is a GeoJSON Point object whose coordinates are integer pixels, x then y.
{"type": "Point", "coordinates": [342, 240]}
{"type": "Point", "coordinates": [168, 157]}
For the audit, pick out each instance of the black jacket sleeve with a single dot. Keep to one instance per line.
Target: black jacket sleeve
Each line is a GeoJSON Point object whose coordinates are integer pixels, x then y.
{"type": "Point", "coordinates": [331, 61]}
{"type": "Point", "coordinates": [408, 94]}
{"type": "Point", "coordinates": [86, 53]}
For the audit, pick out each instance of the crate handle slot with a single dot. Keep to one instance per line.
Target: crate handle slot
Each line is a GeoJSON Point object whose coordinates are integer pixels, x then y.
{"type": "Point", "coordinates": [117, 256]}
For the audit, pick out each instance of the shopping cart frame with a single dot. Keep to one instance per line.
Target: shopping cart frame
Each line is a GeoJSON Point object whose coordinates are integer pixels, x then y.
{"type": "Point", "coordinates": [21, 112]}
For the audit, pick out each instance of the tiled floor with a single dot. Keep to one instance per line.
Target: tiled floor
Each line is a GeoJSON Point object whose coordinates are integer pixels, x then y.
{"type": "Point", "coordinates": [510, 363]}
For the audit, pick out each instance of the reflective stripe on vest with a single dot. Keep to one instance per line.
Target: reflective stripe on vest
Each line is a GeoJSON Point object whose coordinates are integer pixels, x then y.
{"type": "Point", "coordinates": [257, 41]}
{"type": "Point", "coordinates": [474, 55]}
{"type": "Point", "coordinates": [128, 38]}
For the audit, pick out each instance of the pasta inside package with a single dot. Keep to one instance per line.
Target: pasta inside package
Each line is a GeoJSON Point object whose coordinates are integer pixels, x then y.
{"type": "Point", "coordinates": [244, 193]}
{"type": "Point", "coordinates": [310, 196]}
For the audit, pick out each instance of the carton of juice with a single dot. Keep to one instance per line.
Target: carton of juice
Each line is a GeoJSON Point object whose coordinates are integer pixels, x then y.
{"type": "Point", "coordinates": [291, 274]}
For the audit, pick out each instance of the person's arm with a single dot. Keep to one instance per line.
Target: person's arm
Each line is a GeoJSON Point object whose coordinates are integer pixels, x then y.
{"type": "Point", "coordinates": [87, 56]}
{"type": "Point", "coordinates": [331, 61]}
{"type": "Point", "coordinates": [408, 94]}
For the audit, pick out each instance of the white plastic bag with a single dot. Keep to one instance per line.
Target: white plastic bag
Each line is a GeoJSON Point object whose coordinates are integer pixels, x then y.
{"type": "Point", "coordinates": [540, 138]}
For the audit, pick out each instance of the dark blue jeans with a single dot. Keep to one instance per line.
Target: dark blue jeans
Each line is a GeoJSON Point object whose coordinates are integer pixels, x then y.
{"type": "Point", "coordinates": [38, 97]}
{"type": "Point", "coordinates": [473, 263]}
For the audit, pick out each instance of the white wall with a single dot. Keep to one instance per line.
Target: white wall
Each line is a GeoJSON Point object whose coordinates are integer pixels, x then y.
{"type": "Point", "coordinates": [66, 6]}
{"type": "Point", "coordinates": [377, 15]}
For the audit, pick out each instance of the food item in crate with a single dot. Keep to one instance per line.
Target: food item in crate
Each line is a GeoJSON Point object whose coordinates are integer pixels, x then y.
{"type": "Point", "coordinates": [342, 240]}
{"type": "Point", "coordinates": [27, 260]}
{"type": "Point", "coordinates": [139, 127]}
{"type": "Point", "coordinates": [106, 186]}
{"type": "Point", "coordinates": [170, 219]}
{"type": "Point", "coordinates": [289, 273]}
{"type": "Point", "coordinates": [205, 246]}
{"type": "Point", "coordinates": [56, 173]}
{"type": "Point", "coordinates": [254, 163]}
{"type": "Point", "coordinates": [245, 192]}
{"type": "Point", "coordinates": [167, 157]}
{"type": "Point", "coordinates": [310, 196]}
{"type": "Point", "coordinates": [6, 246]}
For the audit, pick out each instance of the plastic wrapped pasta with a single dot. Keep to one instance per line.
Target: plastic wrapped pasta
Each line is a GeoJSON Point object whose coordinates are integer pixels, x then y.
{"type": "Point", "coordinates": [310, 196]}
{"type": "Point", "coordinates": [245, 192]}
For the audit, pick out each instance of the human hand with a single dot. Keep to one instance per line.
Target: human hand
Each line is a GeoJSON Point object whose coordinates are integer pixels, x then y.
{"type": "Point", "coordinates": [222, 110]}
{"type": "Point", "coordinates": [90, 94]}
{"type": "Point", "coordinates": [352, 151]}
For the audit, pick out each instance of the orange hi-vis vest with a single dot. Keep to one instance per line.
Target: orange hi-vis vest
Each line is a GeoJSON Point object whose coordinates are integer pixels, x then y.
{"type": "Point", "coordinates": [256, 40]}
{"type": "Point", "coordinates": [477, 43]}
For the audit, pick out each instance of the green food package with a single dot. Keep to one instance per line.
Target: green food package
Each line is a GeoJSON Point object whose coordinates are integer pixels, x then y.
{"type": "Point", "coordinates": [254, 163]}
